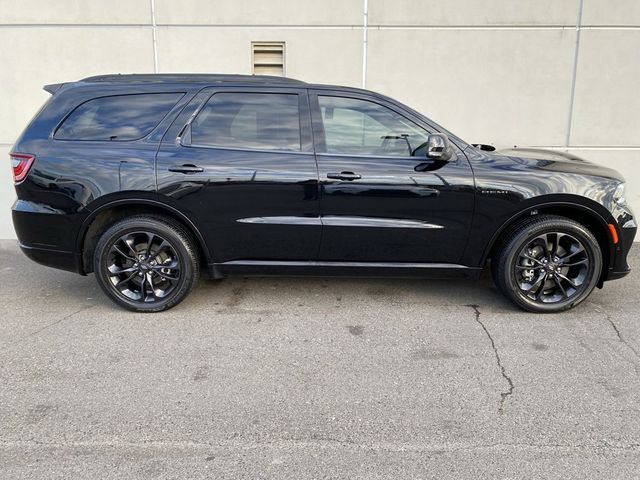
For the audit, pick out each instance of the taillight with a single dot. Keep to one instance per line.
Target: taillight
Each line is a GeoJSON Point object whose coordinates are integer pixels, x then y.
{"type": "Point", "coordinates": [21, 163]}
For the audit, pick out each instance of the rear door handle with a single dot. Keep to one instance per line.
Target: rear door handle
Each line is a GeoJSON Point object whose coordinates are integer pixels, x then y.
{"type": "Point", "coordinates": [186, 168]}
{"type": "Point", "coordinates": [344, 176]}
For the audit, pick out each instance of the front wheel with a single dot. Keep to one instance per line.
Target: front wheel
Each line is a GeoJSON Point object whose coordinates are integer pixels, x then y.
{"type": "Point", "coordinates": [547, 264]}
{"type": "Point", "coordinates": [146, 263]}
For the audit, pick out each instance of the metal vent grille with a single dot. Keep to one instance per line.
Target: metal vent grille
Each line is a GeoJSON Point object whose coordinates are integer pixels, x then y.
{"type": "Point", "coordinates": [267, 58]}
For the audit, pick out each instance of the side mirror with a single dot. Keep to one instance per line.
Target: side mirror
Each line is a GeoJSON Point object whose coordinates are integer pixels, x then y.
{"type": "Point", "coordinates": [439, 147]}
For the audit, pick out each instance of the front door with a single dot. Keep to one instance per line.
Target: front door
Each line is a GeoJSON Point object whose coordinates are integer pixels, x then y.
{"type": "Point", "coordinates": [244, 171]}
{"type": "Point", "coordinates": [381, 199]}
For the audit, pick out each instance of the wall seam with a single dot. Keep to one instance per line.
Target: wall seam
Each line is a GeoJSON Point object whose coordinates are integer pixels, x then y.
{"type": "Point", "coordinates": [365, 40]}
{"type": "Point", "coordinates": [152, 4]}
{"type": "Point", "coordinates": [574, 75]}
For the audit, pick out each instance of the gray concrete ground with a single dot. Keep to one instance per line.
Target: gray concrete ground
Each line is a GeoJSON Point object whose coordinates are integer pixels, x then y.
{"type": "Point", "coordinates": [315, 378]}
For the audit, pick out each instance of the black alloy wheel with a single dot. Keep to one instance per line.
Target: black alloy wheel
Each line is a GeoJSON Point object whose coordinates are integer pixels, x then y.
{"type": "Point", "coordinates": [552, 267]}
{"type": "Point", "coordinates": [547, 263]}
{"type": "Point", "coordinates": [146, 263]}
{"type": "Point", "coordinates": [143, 266]}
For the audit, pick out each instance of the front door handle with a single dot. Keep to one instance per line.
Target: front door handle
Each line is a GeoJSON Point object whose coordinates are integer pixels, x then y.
{"type": "Point", "coordinates": [344, 176]}
{"type": "Point", "coordinates": [186, 168]}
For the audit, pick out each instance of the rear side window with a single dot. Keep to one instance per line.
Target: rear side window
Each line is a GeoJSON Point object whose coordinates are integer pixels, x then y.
{"type": "Point", "coordinates": [117, 118]}
{"type": "Point", "coordinates": [269, 121]}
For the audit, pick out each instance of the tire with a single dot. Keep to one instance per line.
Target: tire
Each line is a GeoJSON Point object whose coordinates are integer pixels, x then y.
{"type": "Point", "coordinates": [547, 264]}
{"type": "Point", "coordinates": [163, 271]}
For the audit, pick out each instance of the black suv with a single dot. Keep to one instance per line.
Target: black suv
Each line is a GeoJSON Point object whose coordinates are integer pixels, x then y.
{"type": "Point", "coordinates": [145, 179]}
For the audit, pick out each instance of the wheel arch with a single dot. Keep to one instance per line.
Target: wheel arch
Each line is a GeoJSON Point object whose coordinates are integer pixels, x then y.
{"type": "Point", "coordinates": [583, 214]}
{"type": "Point", "coordinates": [107, 214]}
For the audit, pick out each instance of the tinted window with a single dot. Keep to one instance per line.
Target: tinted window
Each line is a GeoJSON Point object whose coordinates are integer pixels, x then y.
{"type": "Point", "coordinates": [117, 118]}
{"type": "Point", "coordinates": [360, 127]}
{"type": "Point", "coordinates": [249, 120]}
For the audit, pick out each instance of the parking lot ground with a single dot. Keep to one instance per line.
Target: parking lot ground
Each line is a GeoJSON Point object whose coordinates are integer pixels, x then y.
{"type": "Point", "coordinates": [315, 378]}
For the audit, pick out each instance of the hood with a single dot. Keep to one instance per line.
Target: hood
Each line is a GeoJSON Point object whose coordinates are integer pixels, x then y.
{"type": "Point", "coordinates": [540, 153]}
{"type": "Point", "coordinates": [556, 161]}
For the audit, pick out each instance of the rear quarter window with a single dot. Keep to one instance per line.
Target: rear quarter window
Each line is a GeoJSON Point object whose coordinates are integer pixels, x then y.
{"type": "Point", "coordinates": [117, 118]}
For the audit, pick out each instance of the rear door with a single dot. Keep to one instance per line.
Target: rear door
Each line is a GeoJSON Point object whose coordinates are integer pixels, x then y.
{"type": "Point", "coordinates": [240, 163]}
{"type": "Point", "coordinates": [381, 199]}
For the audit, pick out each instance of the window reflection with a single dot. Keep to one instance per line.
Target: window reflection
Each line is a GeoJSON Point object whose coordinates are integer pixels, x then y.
{"type": "Point", "coordinates": [360, 127]}
{"type": "Point", "coordinates": [117, 118]}
{"type": "Point", "coordinates": [249, 120]}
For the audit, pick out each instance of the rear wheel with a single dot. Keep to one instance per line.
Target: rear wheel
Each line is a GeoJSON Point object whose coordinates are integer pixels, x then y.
{"type": "Point", "coordinates": [146, 263]}
{"type": "Point", "coordinates": [547, 264]}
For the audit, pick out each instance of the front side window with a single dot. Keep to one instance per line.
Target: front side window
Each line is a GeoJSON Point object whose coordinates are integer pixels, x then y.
{"type": "Point", "coordinates": [269, 121]}
{"type": "Point", "coordinates": [117, 118]}
{"type": "Point", "coordinates": [360, 127]}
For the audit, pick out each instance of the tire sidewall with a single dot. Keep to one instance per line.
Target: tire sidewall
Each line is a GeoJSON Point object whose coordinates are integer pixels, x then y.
{"type": "Point", "coordinates": [147, 225]}
{"type": "Point", "coordinates": [590, 244]}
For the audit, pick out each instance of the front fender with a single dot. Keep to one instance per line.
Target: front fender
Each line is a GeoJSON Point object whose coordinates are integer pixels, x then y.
{"type": "Point", "coordinates": [550, 203]}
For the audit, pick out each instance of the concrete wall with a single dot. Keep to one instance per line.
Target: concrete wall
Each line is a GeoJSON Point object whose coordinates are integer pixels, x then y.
{"type": "Point", "coordinates": [550, 73]}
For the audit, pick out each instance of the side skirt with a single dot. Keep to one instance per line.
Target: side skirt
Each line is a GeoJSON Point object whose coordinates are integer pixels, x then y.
{"type": "Point", "coordinates": [338, 269]}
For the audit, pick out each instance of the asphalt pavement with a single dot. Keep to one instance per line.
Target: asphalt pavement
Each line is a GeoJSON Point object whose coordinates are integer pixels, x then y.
{"type": "Point", "coordinates": [305, 378]}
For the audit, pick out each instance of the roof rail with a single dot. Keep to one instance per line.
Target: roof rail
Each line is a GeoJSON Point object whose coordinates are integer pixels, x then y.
{"type": "Point", "coordinates": [188, 78]}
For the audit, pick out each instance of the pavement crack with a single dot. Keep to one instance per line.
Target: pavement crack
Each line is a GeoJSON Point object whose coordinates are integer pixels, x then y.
{"type": "Point", "coordinates": [503, 371]}
{"type": "Point", "coordinates": [622, 340]}
{"type": "Point", "coordinates": [56, 322]}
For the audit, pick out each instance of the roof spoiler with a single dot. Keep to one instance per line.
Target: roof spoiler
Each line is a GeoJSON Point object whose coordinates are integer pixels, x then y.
{"type": "Point", "coordinates": [53, 88]}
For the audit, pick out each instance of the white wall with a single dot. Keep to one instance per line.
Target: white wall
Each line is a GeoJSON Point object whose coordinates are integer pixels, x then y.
{"type": "Point", "coordinates": [495, 71]}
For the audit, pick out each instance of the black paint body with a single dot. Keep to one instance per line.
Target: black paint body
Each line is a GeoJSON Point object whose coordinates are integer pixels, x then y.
{"type": "Point", "coordinates": [277, 212]}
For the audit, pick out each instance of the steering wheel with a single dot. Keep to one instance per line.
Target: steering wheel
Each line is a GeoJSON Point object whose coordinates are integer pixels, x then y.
{"type": "Point", "coordinates": [387, 138]}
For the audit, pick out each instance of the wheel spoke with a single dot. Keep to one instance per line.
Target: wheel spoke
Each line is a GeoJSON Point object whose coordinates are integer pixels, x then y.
{"type": "Point", "coordinates": [149, 278]}
{"type": "Point", "coordinates": [559, 284]}
{"type": "Point", "coordinates": [172, 265]}
{"type": "Point", "coordinates": [172, 277]}
{"type": "Point", "coordinates": [150, 238]}
{"type": "Point", "coordinates": [553, 238]}
{"type": "Point", "coordinates": [163, 247]}
{"type": "Point", "coordinates": [532, 286]}
{"type": "Point", "coordinates": [125, 255]}
{"type": "Point", "coordinates": [126, 280]}
{"type": "Point", "coordinates": [543, 241]}
{"type": "Point", "coordinates": [568, 280]}
{"type": "Point", "coordinates": [529, 257]}
{"type": "Point", "coordinates": [128, 242]}
{"type": "Point", "coordinates": [528, 267]}
{"type": "Point", "coordinates": [143, 290]}
{"type": "Point", "coordinates": [167, 277]}
{"type": "Point", "coordinates": [566, 257]}
{"type": "Point", "coordinates": [113, 273]}
{"type": "Point", "coordinates": [543, 284]}
{"type": "Point", "coordinates": [579, 262]}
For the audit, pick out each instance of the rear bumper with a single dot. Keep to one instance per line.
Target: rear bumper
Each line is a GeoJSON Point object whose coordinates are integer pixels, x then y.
{"type": "Point", "coordinates": [48, 236]}
{"type": "Point", "coordinates": [62, 260]}
{"type": "Point", "coordinates": [613, 275]}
